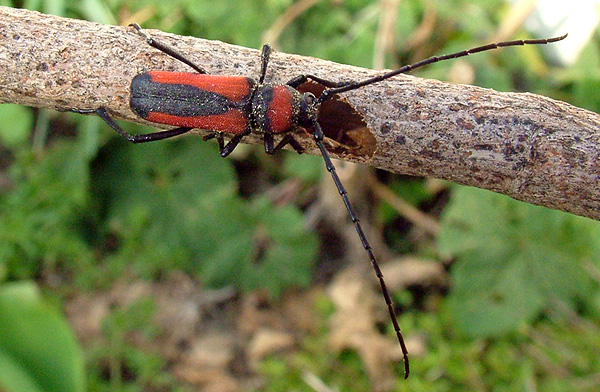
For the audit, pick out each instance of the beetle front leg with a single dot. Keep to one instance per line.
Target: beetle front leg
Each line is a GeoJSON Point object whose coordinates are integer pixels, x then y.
{"type": "Point", "coordinates": [301, 79]}
{"type": "Point", "coordinates": [264, 61]}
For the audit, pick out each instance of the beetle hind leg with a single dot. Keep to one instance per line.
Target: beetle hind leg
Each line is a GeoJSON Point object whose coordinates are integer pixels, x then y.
{"type": "Point", "coordinates": [165, 49]}
{"type": "Point", "coordinates": [147, 137]}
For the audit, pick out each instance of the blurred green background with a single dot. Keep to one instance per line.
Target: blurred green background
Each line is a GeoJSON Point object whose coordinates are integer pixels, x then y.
{"type": "Point", "coordinates": [82, 212]}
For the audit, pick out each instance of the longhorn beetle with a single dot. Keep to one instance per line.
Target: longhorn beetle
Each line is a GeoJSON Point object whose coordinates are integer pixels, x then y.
{"type": "Point", "coordinates": [236, 105]}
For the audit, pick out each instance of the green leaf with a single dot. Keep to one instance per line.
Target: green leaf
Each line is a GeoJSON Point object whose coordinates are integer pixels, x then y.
{"type": "Point", "coordinates": [497, 308]}
{"type": "Point", "coordinates": [17, 125]}
{"type": "Point", "coordinates": [291, 251]}
{"type": "Point", "coordinates": [512, 260]}
{"type": "Point", "coordinates": [38, 351]}
{"type": "Point", "coordinates": [175, 204]}
{"type": "Point", "coordinates": [252, 245]}
{"type": "Point", "coordinates": [161, 183]}
{"type": "Point", "coordinates": [13, 377]}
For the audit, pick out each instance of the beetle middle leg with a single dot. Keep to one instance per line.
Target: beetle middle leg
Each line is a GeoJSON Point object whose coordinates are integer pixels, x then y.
{"type": "Point", "coordinates": [271, 148]}
{"type": "Point", "coordinates": [225, 149]}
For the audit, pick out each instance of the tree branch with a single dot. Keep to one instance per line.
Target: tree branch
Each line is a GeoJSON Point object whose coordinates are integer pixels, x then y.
{"type": "Point", "coordinates": [526, 146]}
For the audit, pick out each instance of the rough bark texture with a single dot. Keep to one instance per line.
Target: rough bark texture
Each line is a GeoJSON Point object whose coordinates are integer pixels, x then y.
{"type": "Point", "coordinates": [530, 147]}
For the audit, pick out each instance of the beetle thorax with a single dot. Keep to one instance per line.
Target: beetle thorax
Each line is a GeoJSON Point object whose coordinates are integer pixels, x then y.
{"type": "Point", "coordinates": [275, 108]}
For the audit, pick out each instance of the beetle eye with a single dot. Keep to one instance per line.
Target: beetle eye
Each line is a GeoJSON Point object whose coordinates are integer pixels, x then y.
{"type": "Point", "coordinates": [309, 98]}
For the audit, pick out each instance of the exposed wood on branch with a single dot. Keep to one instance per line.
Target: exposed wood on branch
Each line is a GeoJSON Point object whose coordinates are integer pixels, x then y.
{"type": "Point", "coordinates": [530, 147]}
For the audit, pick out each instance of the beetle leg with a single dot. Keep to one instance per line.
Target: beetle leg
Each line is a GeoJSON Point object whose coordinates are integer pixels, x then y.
{"type": "Point", "coordinates": [148, 137]}
{"type": "Point", "coordinates": [269, 143]}
{"type": "Point", "coordinates": [287, 139]}
{"type": "Point", "coordinates": [215, 135]}
{"type": "Point", "coordinates": [225, 149]}
{"type": "Point", "coordinates": [298, 80]}
{"type": "Point", "coordinates": [264, 61]}
{"type": "Point", "coordinates": [165, 49]}
{"type": "Point", "coordinates": [231, 145]}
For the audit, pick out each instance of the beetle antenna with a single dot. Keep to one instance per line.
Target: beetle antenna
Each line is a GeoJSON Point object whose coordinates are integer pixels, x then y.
{"type": "Point", "coordinates": [329, 93]}
{"type": "Point", "coordinates": [318, 136]}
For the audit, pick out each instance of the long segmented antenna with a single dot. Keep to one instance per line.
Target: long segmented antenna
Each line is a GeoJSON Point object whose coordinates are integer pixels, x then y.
{"type": "Point", "coordinates": [318, 136]}
{"type": "Point", "coordinates": [329, 93]}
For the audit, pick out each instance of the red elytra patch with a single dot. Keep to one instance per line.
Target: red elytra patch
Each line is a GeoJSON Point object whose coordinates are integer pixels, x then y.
{"type": "Point", "coordinates": [233, 122]}
{"type": "Point", "coordinates": [234, 88]}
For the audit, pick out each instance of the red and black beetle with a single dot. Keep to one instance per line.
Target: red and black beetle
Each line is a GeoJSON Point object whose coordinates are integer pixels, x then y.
{"type": "Point", "coordinates": [235, 106]}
